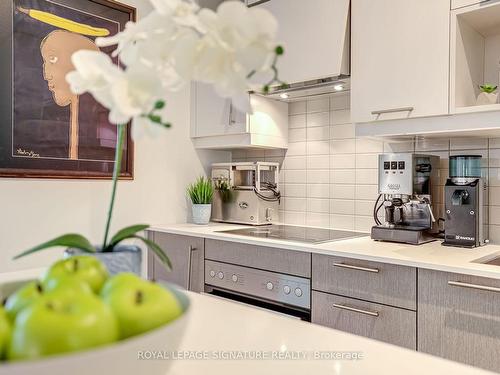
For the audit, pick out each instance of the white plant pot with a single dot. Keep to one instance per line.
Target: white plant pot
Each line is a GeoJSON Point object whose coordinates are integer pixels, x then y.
{"type": "Point", "coordinates": [127, 357]}
{"type": "Point", "coordinates": [485, 98]}
{"type": "Point", "coordinates": [202, 213]}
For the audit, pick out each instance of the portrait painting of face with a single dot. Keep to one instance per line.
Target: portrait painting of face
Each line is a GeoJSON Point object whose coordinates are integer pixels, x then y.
{"type": "Point", "coordinates": [53, 132]}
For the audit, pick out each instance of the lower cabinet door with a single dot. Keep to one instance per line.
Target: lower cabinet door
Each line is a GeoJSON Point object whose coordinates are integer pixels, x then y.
{"type": "Point", "coordinates": [187, 257]}
{"type": "Point", "coordinates": [380, 322]}
{"type": "Point", "coordinates": [459, 318]}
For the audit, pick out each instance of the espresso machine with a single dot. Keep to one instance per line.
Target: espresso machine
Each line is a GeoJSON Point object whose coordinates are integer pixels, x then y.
{"type": "Point", "coordinates": [465, 209]}
{"type": "Point", "coordinates": [407, 185]}
{"type": "Point", "coordinates": [246, 192]}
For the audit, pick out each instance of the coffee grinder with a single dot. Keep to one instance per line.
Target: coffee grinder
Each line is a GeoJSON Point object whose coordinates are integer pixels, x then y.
{"type": "Point", "coordinates": [465, 210]}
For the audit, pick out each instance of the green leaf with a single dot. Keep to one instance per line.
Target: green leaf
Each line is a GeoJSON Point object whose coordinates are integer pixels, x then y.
{"type": "Point", "coordinates": [66, 240]}
{"type": "Point", "coordinates": [159, 104]}
{"type": "Point", "coordinates": [155, 118]}
{"type": "Point", "coordinates": [158, 252]}
{"type": "Point", "coordinates": [127, 232]}
{"type": "Point", "coordinates": [279, 50]}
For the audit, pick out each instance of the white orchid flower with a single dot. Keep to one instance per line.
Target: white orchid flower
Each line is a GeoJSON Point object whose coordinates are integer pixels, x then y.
{"type": "Point", "coordinates": [232, 49]}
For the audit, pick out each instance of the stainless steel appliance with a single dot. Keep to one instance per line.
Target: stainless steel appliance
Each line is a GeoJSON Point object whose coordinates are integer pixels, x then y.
{"type": "Point", "coordinates": [297, 233]}
{"type": "Point", "coordinates": [286, 294]}
{"type": "Point", "coordinates": [246, 192]}
{"type": "Point", "coordinates": [407, 184]}
{"type": "Point", "coordinates": [465, 209]}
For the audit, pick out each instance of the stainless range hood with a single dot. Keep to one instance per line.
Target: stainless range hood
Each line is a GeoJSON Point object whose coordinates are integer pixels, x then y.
{"type": "Point", "coordinates": [308, 89]}
{"type": "Point", "coordinates": [316, 38]}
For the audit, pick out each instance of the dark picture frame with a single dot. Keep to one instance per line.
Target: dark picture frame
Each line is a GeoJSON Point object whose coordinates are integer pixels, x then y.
{"type": "Point", "coordinates": [44, 131]}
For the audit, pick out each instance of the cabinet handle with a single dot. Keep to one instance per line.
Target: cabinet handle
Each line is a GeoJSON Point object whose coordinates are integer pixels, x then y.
{"type": "Point", "coordinates": [358, 268]}
{"type": "Point", "coordinates": [190, 256]}
{"type": "Point", "coordinates": [354, 309]}
{"type": "Point", "coordinates": [393, 110]}
{"type": "Point", "coordinates": [474, 286]}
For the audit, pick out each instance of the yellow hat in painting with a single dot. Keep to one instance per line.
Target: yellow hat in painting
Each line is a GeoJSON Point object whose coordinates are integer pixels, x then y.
{"type": "Point", "coordinates": [64, 23]}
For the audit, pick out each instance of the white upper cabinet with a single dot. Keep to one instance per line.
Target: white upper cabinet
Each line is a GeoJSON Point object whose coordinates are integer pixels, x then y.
{"type": "Point", "coordinates": [217, 124]}
{"type": "Point", "coordinates": [400, 59]}
{"type": "Point", "coordinates": [314, 35]}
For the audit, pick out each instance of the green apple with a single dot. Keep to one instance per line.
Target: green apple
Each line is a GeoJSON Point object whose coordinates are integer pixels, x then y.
{"type": "Point", "coordinates": [125, 278]}
{"type": "Point", "coordinates": [85, 268]}
{"type": "Point", "coordinates": [142, 307]}
{"type": "Point", "coordinates": [70, 284]}
{"type": "Point", "coordinates": [22, 298]}
{"type": "Point", "coordinates": [62, 322]}
{"type": "Point", "coordinates": [5, 331]}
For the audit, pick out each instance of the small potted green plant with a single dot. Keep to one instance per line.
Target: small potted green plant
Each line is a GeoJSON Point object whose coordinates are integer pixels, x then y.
{"type": "Point", "coordinates": [487, 95]}
{"type": "Point", "coordinates": [201, 193]}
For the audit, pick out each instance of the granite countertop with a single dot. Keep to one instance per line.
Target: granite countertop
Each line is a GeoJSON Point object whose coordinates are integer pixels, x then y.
{"type": "Point", "coordinates": [430, 256]}
{"type": "Point", "coordinates": [218, 329]}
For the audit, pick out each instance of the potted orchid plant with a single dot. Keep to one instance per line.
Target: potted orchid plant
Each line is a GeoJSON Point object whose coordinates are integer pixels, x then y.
{"type": "Point", "coordinates": [234, 49]}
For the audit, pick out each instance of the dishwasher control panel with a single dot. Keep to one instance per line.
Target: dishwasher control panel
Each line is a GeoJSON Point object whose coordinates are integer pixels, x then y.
{"type": "Point", "coordinates": [291, 290]}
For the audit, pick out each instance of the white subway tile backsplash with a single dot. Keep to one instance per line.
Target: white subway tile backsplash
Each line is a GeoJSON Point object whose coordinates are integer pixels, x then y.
{"type": "Point", "coordinates": [318, 162]}
{"type": "Point", "coordinates": [468, 143]}
{"type": "Point", "coordinates": [318, 119]}
{"type": "Point", "coordinates": [340, 161]}
{"type": "Point", "coordinates": [297, 121]}
{"type": "Point", "coordinates": [340, 117]}
{"type": "Point", "coordinates": [294, 162]}
{"type": "Point", "coordinates": [364, 207]}
{"type": "Point", "coordinates": [296, 149]}
{"type": "Point", "coordinates": [295, 218]}
{"type": "Point", "coordinates": [295, 108]}
{"type": "Point", "coordinates": [294, 204]}
{"type": "Point", "coordinates": [345, 222]}
{"type": "Point", "coordinates": [318, 190]}
{"type": "Point", "coordinates": [342, 206]}
{"type": "Point", "coordinates": [345, 146]}
{"type": "Point", "coordinates": [295, 177]}
{"type": "Point", "coordinates": [363, 223]}
{"type": "Point", "coordinates": [342, 191]}
{"type": "Point", "coordinates": [495, 215]}
{"type": "Point", "coordinates": [318, 176]}
{"type": "Point", "coordinates": [343, 176]}
{"type": "Point", "coordinates": [297, 135]}
{"type": "Point", "coordinates": [294, 190]}
{"type": "Point", "coordinates": [344, 131]}
{"type": "Point", "coordinates": [340, 101]}
{"type": "Point", "coordinates": [316, 219]}
{"type": "Point", "coordinates": [319, 133]}
{"type": "Point", "coordinates": [329, 178]}
{"type": "Point", "coordinates": [318, 148]}
{"type": "Point", "coordinates": [366, 176]}
{"type": "Point", "coordinates": [318, 205]}
{"type": "Point", "coordinates": [318, 105]}
{"type": "Point", "coordinates": [367, 161]}
{"type": "Point", "coordinates": [367, 192]}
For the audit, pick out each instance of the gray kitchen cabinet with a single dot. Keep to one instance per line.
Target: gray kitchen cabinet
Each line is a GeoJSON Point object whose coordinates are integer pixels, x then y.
{"type": "Point", "coordinates": [459, 318]}
{"type": "Point", "coordinates": [370, 281]}
{"type": "Point", "coordinates": [269, 258]}
{"type": "Point", "coordinates": [187, 257]}
{"type": "Point", "coordinates": [380, 322]}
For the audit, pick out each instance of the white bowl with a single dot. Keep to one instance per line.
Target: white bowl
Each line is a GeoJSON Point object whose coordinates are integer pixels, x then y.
{"type": "Point", "coordinates": [120, 358]}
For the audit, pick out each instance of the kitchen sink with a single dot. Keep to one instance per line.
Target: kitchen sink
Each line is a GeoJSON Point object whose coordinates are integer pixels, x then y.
{"type": "Point", "coordinates": [492, 260]}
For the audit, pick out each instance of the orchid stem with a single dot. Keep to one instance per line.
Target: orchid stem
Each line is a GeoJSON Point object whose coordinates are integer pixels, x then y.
{"type": "Point", "coordinates": [116, 173]}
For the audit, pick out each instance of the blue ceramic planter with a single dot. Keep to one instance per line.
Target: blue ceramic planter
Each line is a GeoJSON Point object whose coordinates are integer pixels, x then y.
{"type": "Point", "coordinates": [124, 258]}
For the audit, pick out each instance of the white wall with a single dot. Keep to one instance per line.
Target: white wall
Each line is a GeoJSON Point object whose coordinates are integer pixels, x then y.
{"type": "Point", "coordinates": [35, 210]}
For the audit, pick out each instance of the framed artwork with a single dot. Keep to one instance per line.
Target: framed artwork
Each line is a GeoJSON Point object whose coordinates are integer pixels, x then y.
{"type": "Point", "coordinates": [45, 129]}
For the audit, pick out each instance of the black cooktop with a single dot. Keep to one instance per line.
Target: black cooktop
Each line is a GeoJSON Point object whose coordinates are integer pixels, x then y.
{"type": "Point", "coordinates": [296, 233]}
